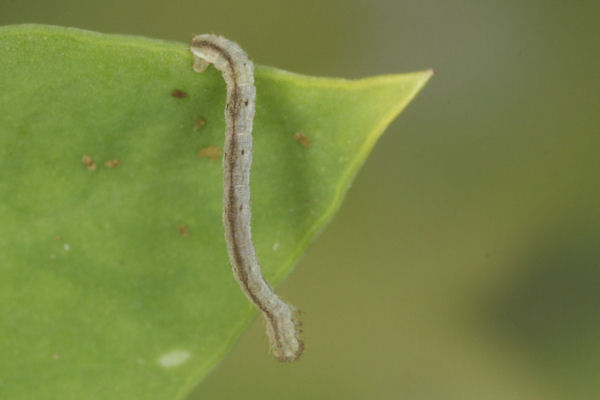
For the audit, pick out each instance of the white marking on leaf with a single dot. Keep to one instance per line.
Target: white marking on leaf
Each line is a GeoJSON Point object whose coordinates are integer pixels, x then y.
{"type": "Point", "coordinates": [173, 358]}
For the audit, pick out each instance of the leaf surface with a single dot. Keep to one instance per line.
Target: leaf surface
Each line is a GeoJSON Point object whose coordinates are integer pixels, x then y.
{"type": "Point", "coordinates": [114, 275]}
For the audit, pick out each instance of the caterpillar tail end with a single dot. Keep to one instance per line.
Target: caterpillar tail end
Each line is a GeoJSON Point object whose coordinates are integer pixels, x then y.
{"type": "Point", "coordinates": [284, 335]}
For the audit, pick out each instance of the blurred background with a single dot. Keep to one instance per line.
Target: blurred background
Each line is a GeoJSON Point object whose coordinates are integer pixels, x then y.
{"type": "Point", "coordinates": [465, 261]}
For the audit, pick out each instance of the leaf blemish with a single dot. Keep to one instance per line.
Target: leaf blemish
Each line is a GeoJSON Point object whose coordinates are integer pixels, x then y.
{"type": "Point", "coordinates": [88, 162]}
{"type": "Point", "coordinates": [212, 152]}
{"type": "Point", "coordinates": [183, 231]}
{"type": "Point", "coordinates": [173, 358]}
{"type": "Point", "coordinates": [113, 163]}
{"type": "Point", "coordinates": [199, 124]}
{"type": "Point", "coordinates": [302, 139]}
{"type": "Point", "coordinates": [178, 94]}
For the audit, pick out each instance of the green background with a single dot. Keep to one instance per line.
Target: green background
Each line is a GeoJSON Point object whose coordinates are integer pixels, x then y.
{"type": "Point", "coordinates": [464, 263]}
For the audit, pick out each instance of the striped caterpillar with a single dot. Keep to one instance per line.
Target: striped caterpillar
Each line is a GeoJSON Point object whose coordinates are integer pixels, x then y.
{"type": "Point", "coordinates": [283, 327]}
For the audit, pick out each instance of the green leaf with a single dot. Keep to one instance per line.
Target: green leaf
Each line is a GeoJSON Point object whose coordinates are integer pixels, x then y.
{"type": "Point", "coordinates": [115, 282]}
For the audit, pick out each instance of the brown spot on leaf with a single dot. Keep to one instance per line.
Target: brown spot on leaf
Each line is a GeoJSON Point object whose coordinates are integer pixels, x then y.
{"type": "Point", "coordinates": [88, 162]}
{"type": "Point", "coordinates": [178, 94]}
{"type": "Point", "coordinates": [57, 237]}
{"type": "Point", "coordinates": [302, 139]}
{"type": "Point", "coordinates": [113, 163]}
{"type": "Point", "coordinates": [212, 152]}
{"type": "Point", "coordinates": [183, 231]}
{"type": "Point", "coordinates": [55, 356]}
{"type": "Point", "coordinates": [199, 124]}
